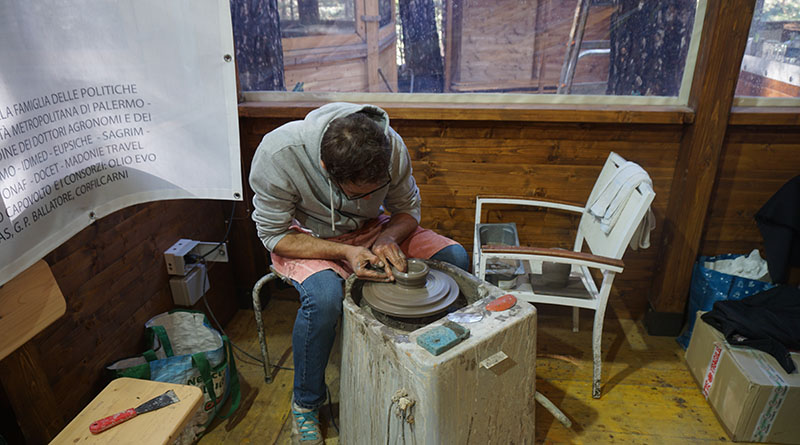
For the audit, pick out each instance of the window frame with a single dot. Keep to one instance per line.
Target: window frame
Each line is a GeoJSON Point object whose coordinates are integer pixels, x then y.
{"type": "Point", "coordinates": [485, 102]}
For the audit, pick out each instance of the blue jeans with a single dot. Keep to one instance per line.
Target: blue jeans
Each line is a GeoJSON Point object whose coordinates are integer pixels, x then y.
{"type": "Point", "coordinates": [314, 331]}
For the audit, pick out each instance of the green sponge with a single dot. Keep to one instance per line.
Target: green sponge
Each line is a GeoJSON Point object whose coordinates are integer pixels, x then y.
{"type": "Point", "coordinates": [442, 338]}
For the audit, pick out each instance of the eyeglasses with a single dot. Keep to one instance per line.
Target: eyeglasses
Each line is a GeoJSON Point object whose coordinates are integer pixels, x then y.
{"type": "Point", "coordinates": [361, 195]}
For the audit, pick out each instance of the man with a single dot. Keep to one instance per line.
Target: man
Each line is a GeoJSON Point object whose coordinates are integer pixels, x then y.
{"type": "Point", "coordinates": [321, 188]}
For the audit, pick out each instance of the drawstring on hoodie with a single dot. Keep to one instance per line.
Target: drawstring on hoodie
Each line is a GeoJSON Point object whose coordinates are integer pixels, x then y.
{"type": "Point", "coordinates": [330, 194]}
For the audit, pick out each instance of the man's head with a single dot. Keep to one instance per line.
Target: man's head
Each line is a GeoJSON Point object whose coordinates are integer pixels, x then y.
{"type": "Point", "coordinates": [355, 150]}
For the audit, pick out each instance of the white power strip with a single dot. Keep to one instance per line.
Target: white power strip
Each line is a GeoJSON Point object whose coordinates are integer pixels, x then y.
{"type": "Point", "coordinates": [190, 278]}
{"type": "Point", "coordinates": [179, 256]}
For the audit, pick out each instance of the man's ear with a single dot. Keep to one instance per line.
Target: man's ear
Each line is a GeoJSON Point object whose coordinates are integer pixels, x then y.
{"type": "Point", "coordinates": [322, 164]}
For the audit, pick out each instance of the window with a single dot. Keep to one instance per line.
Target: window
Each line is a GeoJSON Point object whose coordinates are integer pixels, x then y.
{"type": "Point", "coordinates": [479, 49]}
{"type": "Point", "coordinates": [771, 63]}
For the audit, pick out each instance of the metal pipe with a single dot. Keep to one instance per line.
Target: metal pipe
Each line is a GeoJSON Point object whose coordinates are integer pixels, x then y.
{"type": "Point", "coordinates": [260, 323]}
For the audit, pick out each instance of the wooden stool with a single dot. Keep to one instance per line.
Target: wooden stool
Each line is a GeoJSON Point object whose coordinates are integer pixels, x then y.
{"type": "Point", "coordinates": [156, 427]}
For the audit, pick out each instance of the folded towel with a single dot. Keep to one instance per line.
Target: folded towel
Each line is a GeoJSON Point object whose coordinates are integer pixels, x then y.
{"type": "Point", "coordinates": [641, 237]}
{"type": "Point", "coordinates": [613, 197]}
{"type": "Point", "coordinates": [608, 204]}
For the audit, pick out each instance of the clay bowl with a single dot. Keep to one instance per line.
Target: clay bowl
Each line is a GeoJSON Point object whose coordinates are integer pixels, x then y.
{"type": "Point", "coordinates": [416, 274]}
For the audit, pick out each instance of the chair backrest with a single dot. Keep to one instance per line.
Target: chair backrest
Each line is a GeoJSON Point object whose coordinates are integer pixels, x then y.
{"type": "Point", "coordinates": [614, 243]}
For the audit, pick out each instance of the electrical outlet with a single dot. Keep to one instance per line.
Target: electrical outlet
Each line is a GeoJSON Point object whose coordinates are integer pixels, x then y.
{"type": "Point", "coordinates": [188, 289]}
{"type": "Point", "coordinates": [184, 255]}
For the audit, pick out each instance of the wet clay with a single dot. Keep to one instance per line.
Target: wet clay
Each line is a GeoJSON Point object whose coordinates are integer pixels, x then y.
{"type": "Point", "coordinates": [416, 293]}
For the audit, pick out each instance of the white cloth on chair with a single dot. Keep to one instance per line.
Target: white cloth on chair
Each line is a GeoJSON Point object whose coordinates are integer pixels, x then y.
{"type": "Point", "coordinates": [612, 198]}
{"type": "Point", "coordinates": [641, 237]}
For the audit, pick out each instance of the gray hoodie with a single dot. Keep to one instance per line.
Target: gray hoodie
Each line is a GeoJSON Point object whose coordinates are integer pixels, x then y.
{"type": "Point", "coordinates": [289, 182]}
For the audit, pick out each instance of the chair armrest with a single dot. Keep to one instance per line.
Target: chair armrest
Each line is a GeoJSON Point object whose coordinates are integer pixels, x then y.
{"type": "Point", "coordinates": [596, 260]}
{"type": "Point", "coordinates": [526, 201]}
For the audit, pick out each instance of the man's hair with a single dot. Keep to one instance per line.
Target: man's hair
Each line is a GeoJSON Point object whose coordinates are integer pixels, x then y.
{"type": "Point", "coordinates": [356, 150]}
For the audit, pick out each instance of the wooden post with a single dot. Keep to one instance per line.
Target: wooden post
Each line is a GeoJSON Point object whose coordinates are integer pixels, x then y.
{"type": "Point", "coordinates": [724, 36]}
{"type": "Point", "coordinates": [448, 46]}
{"type": "Point", "coordinates": [372, 20]}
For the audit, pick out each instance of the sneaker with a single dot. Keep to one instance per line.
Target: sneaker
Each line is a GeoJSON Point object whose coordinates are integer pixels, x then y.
{"type": "Point", "coordinates": [305, 427]}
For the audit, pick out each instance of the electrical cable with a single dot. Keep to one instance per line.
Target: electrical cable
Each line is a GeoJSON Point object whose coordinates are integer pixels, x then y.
{"type": "Point", "coordinates": [235, 346]}
{"type": "Point", "coordinates": [330, 408]}
{"type": "Point", "coordinates": [206, 268]}
{"type": "Point", "coordinates": [227, 233]}
{"type": "Point", "coordinates": [389, 422]}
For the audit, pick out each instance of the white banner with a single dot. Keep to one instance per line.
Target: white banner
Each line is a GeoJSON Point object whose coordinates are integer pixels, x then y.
{"type": "Point", "coordinates": [109, 103]}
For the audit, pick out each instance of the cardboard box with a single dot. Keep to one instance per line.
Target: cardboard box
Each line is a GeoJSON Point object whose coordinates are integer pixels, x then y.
{"type": "Point", "coordinates": [754, 399]}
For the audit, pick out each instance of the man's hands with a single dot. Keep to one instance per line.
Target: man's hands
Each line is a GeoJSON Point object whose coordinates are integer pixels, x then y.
{"type": "Point", "coordinates": [387, 247]}
{"type": "Point", "coordinates": [366, 264]}
{"type": "Point", "coordinates": [390, 254]}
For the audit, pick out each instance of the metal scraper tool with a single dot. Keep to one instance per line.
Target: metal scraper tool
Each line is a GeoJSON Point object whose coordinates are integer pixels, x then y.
{"type": "Point", "coordinates": [168, 398]}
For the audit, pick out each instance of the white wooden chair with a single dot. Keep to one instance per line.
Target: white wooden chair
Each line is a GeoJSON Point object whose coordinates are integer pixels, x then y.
{"type": "Point", "coordinates": [605, 255]}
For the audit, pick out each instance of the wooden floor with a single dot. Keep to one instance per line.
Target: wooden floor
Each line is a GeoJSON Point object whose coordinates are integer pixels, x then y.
{"type": "Point", "coordinates": [649, 397]}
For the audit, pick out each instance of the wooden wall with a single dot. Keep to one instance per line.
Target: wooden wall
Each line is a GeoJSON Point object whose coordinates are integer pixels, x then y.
{"type": "Point", "coordinates": [454, 161]}
{"type": "Point", "coordinates": [114, 279]}
{"type": "Point", "coordinates": [756, 161]}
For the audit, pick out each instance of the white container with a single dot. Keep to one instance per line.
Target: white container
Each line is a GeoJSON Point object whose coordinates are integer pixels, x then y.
{"type": "Point", "coordinates": [480, 391]}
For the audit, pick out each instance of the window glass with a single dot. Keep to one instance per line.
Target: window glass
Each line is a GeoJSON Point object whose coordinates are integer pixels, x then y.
{"type": "Point", "coordinates": [385, 11]}
{"type": "Point", "coordinates": [605, 47]}
{"type": "Point", "coordinates": [315, 17]}
{"type": "Point", "coordinates": [771, 63]}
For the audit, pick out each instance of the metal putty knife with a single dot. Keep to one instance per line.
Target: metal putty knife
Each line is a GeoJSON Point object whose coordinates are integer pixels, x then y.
{"type": "Point", "coordinates": [168, 398]}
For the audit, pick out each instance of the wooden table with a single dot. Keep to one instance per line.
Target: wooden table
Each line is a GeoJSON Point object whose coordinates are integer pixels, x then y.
{"type": "Point", "coordinates": [161, 426]}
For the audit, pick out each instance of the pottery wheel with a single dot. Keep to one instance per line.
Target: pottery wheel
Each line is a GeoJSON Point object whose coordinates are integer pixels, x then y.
{"type": "Point", "coordinates": [439, 292]}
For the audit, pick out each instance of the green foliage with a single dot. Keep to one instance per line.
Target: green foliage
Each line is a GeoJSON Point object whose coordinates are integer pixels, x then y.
{"type": "Point", "coordinates": [779, 11]}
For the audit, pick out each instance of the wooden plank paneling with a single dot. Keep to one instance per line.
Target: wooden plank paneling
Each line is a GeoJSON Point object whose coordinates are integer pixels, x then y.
{"type": "Point", "coordinates": [755, 162]}
{"type": "Point", "coordinates": [114, 279]}
{"type": "Point", "coordinates": [764, 116]}
{"type": "Point", "coordinates": [456, 160]}
{"type": "Point", "coordinates": [458, 155]}
{"type": "Point", "coordinates": [625, 114]}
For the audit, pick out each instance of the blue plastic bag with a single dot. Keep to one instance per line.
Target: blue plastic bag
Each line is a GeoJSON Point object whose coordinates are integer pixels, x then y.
{"type": "Point", "coordinates": [709, 286]}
